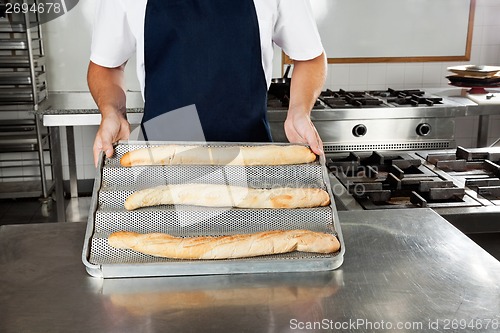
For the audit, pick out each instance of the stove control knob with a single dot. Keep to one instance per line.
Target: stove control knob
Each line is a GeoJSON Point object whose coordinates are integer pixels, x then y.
{"type": "Point", "coordinates": [424, 129]}
{"type": "Point", "coordinates": [359, 130]}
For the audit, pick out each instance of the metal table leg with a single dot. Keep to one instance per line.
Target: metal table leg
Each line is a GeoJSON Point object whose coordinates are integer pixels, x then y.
{"type": "Point", "coordinates": [482, 131]}
{"type": "Point", "coordinates": [73, 182]}
{"type": "Point", "coordinates": [41, 157]}
{"type": "Point", "coordinates": [55, 146]}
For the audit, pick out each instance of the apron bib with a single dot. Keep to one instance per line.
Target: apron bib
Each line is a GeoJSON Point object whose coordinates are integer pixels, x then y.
{"type": "Point", "coordinates": [206, 53]}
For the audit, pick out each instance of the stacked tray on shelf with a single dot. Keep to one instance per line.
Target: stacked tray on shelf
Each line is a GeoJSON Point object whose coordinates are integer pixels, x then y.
{"type": "Point", "coordinates": [473, 76]}
{"type": "Point", "coordinates": [115, 183]}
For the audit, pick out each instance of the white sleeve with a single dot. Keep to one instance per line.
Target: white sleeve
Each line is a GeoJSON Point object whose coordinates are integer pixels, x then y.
{"type": "Point", "coordinates": [295, 30]}
{"type": "Point", "coordinates": [112, 40]}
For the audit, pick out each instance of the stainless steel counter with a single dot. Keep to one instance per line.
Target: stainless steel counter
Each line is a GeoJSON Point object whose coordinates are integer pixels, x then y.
{"type": "Point", "coordinates": [488, 105]}
{"type": "Point", "coordinates": [79, 109]}
{"type": "Point", "coordinates": [401, 267]}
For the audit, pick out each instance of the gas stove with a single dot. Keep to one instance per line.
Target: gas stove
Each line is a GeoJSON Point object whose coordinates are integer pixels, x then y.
{"type": "Point", "coordinates": [378, 120]}
{"type": "Point", "coordinates": [379, 98]}
{"type": "Point", "coordinates": [462, 185]}
{"type": "Point", "coordinates": [476, 169]}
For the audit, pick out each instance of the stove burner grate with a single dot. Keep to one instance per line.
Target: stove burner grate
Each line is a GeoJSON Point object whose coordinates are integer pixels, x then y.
{"type": "Point", "coordinates": [350, 99]}
{"type": "Point", "coordinates": [472, 167]}
{"type": "Point", "coordinates": [388, 180]}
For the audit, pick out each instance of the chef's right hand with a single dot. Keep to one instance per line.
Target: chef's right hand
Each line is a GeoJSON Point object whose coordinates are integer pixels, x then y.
{"type": "Point", "coordinates": [114, 127]}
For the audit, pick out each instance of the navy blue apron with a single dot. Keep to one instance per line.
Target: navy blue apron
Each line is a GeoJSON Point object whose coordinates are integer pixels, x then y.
{"type": "Point", "coordinates": [206, 53]}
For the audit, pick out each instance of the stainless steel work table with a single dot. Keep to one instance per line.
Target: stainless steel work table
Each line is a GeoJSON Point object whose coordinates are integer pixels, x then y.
{"type": "Point", "coordinates": [402, 267]}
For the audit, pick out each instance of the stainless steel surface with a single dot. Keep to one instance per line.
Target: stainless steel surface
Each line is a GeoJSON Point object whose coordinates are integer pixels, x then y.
{"type": "Point", "coordinates": [73, 181]}
{"type": "Point", "coordinates": [14, 44]}
{"type": "Point", "coordinates": [486, 106]}
{"type": "Point", "coordinates": [483, 128]}
{"type": "Point", "coordinates": [40, 138]}
{"type": "Point", "coordinates": [475, 212]}
{"type": "Point", "coordinates": [486, 217]}
{"type": "Point", "coordinates": [403, 267]}
{"type": "Point", "coordinates": [7, 27]}
{"type": "Point", "coordinates": [55, 147]}
{"type": "Point", "coordinates": [20, 61]}
{"type": "Point", "coordinates": [115, 183]}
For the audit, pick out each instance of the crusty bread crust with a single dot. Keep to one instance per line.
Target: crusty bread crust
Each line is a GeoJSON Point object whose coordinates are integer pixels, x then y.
{"type": "Point", "coordinates": [209, 195]}
{"type": "Point", "coordinates": [234, 155]}
{"type": "Point", "coordinates": [225, 247]}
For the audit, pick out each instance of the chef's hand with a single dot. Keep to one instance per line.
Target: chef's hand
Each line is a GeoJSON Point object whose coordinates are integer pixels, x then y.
{"type": "Point", "coordinates": [114, 127]}
{"type": "Point", "coordinates": [107, 86]}
{"type": "Point", "coordinates": [300, 129]}
{"type": "Point", "coordinates": [308, 79]}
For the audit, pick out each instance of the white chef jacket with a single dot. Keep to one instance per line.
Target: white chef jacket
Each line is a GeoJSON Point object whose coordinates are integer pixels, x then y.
{"type": "Point", "coordinates": [119, 32]}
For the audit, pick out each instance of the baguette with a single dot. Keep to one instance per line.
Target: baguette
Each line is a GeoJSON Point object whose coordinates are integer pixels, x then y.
{"type": "Point", "coordinates": [201, 155]}
{"type": "Point", "coordinates": [225, 247]}
{"type": "Point", "coordinates": [209, 195]}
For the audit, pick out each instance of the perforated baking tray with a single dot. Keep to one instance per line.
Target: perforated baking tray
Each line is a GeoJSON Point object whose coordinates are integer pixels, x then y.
{"type": "Point", "coordinates": [114, 183]}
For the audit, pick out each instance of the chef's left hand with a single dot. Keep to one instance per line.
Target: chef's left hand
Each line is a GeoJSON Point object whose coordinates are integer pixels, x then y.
{"type": "Point", "coordinates": [308, 79]}
{"type": "Point", "coordinates": [300, 129]}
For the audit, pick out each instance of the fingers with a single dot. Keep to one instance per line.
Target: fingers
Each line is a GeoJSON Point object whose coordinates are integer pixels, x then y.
{"type": "Point", "coordinates": [316, 146]}
{"type": "Point", "coordinates": [111, 130]}
{"type": "Point", "coordinates": [313, 139]}
{"type": "Point", "coordinates": [304, 131]}
{"type": "Point", "coordinates": [103, 143]}
{"type": "Point", "coordinates": [99, 147]}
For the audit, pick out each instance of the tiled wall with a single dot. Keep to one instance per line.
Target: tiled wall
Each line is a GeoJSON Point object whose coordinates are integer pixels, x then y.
{"type": "Point", "coordinates": [68, 55]}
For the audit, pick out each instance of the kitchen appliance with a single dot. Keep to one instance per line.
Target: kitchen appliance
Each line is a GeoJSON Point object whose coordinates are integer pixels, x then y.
{"type": "Point", "coordinates": [462, 185]}
{"type": "Point", "coordinates": [114, 183]}
{"type": "Point", "coordinates": [377, 144]}
{"type": "Point", "coordinates": [389, 119]}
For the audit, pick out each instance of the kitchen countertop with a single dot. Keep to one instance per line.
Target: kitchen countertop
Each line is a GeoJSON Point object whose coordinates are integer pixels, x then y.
{"type": "Point", "coordinates": [78, 108]}
{"type": "Point", "coordinates": [401, 267]}
{"type": "Point", "coordinates": [488, 104]}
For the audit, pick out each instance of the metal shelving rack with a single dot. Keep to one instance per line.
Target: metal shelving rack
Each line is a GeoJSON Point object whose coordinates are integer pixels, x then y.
{"type": "Point", "coordinates": [23, 90]}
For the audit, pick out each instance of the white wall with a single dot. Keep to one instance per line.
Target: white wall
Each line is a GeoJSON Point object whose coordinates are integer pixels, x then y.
{"type": "Point", "coordinates": [67, 45]}
{"type": "Point", "coordinates": [68, 41]}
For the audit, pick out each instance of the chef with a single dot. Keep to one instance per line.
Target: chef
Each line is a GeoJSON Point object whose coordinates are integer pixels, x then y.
{"type": "Point", "coordinates": [214, 55]}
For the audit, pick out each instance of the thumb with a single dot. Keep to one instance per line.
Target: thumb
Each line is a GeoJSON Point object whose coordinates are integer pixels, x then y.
{"type": "Point", "coordinates": [97, 150]}
{"type": "Point", "coordinates": [100, 145]}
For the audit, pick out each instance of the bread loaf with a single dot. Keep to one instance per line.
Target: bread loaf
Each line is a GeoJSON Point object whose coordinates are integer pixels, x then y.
{"type": "Point", "coordinates": [234, 155]}
{"type": "Point", "coordinates": [209, 195]}
{"type": "Point", "coordinates": [225, 247]}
